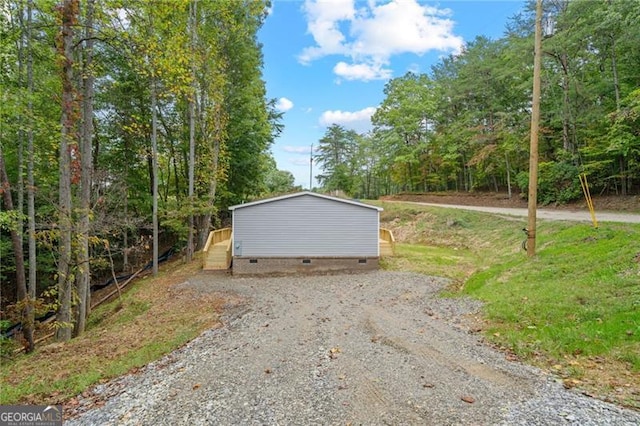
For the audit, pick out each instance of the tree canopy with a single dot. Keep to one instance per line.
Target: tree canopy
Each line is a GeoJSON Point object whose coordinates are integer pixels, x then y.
{"type": "Point", "coordinates": [126, 125]}
{"type": "Point", "coordinates": [465, 124]}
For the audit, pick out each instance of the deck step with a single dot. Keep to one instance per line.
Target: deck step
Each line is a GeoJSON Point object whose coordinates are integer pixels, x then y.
{"type": "Point", "coordinates": [216, 258]}
{"type": "Point", "coordinates": [386, 249]}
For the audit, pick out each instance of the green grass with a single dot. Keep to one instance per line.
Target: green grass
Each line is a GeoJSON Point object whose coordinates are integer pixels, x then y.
{"type": "Point", "coordinates": [579, 296]}
{"type": "Point", "coordinates": [576, 301]}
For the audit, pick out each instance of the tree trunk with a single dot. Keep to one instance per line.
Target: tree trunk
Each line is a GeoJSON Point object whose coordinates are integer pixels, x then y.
{"type": "Point", "coordinates": [616, 87]}
{"type": "Point", "coordinates": [192, 130]}
{"type": "Point", "coordinates": [566, 107]}
{"type": "Point", "coordinates": [69, 11]}
{"type": "Point", "coordinates": [24, 48]}
{"type": "Point", "coordinates": [623, 175]}
{"type": "Point", "coordinates": [508, 167]}
{"type": "Point", "coordinates": [614, 70]}
{"type": "Point", "coordinates": [84, 271]}
{"type": "Point", "coordinates": [205, 222]}
{"type": "Point", "coordinates": [154, 167]}
{"type": "Point", "coordinates": [16, 242]}
{"type": "Point", "coordinates": [31, 204]}
{"type": "Point", "coordinates": [125, 234]}
{"type": "Point", "coordinates": [127, 222]}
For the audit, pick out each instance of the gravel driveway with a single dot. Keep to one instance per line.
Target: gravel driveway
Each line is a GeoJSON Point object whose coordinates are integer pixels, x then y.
{"type": "Point", "coordinates": [374, 348]}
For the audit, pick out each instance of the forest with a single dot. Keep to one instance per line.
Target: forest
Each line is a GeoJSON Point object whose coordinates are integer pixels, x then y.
{"type": "Point", "coordinates": [128, 128]}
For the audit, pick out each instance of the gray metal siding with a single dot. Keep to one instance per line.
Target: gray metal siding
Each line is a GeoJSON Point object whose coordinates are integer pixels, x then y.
{"type": "Point", "coordinates": [306, 226]}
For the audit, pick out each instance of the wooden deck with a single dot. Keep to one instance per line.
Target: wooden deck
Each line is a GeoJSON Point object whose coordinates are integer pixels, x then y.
{"type": "Point", "coordinates": [217, 251]}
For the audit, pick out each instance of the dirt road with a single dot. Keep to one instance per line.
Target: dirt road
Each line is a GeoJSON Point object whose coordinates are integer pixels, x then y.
{"type": "Point", "coordinates": [569, 215]}
{"type": "Point", "coordinates": [378, 348]}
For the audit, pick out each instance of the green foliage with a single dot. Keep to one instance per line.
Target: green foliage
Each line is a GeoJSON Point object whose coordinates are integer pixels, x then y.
{"type": "Point", "coordinates": [336, 157]}
{"type": "Point", "coordinates": [7, 345]}
{"type": "Point", "coordinates": [278, 181]}
{"type": "Point", "coordinates": [558, 183]}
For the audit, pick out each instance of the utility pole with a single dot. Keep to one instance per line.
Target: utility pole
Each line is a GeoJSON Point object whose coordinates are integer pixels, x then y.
{"type": "Point", "coordinates": [535, 123]}
{"type": "Point", "coordinates": [311, 168]}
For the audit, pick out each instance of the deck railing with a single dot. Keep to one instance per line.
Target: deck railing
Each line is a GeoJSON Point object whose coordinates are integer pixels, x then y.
{"type": "Point", "coordinates": [217, 236]}
{"type": "Point", "coordinates": [229, 249]}
{"type": "Point", "coordinates": [386, 235]}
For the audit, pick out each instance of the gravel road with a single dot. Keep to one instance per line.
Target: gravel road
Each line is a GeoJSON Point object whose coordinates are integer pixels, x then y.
{"type": "Point", "coordinates": [375, 348]}
{"type": "Point", "coordinates": [568, 215]}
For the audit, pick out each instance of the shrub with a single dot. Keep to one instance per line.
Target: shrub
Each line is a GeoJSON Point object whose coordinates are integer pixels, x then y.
{"type": "Point", "coordinates": [557, 183]}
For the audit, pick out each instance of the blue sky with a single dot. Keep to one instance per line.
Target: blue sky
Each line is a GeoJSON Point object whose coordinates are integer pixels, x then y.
{"type": "Point", "coordinates": [327, 61]}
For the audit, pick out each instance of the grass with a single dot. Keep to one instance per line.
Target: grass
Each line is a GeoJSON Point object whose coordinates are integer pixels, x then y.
{"type": "Point", "coordinates": [152, 319]}
{"type": "Point", "coordinates": [579, 296]}
{"type": "Point", "coordinates": [573, 309]}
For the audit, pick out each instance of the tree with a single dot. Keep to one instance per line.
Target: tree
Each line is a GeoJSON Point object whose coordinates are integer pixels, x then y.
{"type": "Point", "coordinates": [278, 181]}
{"type": "Point", "coordinates": [335, 156]}
{"type": "Point", "coordinates": [67, 153]}
{"type": "Point", "coordinates": [31, 209]}
{"type": "Point", "coordinates": [407, 111]}
{"type": "Point", "coordinates": [83, 281]}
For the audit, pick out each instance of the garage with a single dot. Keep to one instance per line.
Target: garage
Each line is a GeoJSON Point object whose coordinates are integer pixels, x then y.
{"type": "Point", "coordinates": [303, 232]}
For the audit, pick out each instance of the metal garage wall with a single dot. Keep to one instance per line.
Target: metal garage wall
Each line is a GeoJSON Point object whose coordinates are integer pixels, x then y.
{"type": "Point", "coordinates": [305, 225]}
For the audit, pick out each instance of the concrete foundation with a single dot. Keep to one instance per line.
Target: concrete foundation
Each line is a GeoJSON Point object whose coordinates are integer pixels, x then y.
{"type": "Point", "coordinates": [302, 265]}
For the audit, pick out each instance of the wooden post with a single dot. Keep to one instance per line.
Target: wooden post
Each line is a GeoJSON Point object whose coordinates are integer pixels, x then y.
{"type": "Point", "coordinates": [535, 122]}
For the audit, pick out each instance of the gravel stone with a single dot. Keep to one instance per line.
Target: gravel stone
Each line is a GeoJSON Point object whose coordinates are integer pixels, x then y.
{"type": "Point", "coordinates": [373, 348]}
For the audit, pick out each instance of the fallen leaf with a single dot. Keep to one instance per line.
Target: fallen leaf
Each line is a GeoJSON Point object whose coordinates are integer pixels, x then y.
{"type": "Point", "coordinates": [468, 399]}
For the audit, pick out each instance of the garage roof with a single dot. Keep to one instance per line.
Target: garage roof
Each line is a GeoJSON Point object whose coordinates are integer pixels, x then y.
{"type": "Point", "coordinates": [304, 193]}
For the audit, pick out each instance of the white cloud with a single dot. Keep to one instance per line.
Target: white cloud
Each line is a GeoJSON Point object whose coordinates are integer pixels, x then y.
{"type": "Point", "coordinates": [370, 35]}
{"type": "Point", "coordinates": [324, 17]}
{"type": "Point", "coordinates": [402, 26]}
{"type": "Point", "coordinates": [359, 121]}
{"type": "Point", "coordinates": [284, 105]}
{"type": "Point", "coordinates": [363, 72]}
{"type": "Point", "coordinates": [296, 149]}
